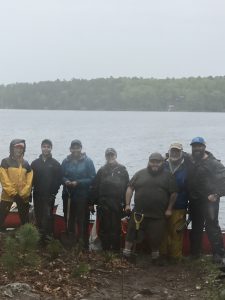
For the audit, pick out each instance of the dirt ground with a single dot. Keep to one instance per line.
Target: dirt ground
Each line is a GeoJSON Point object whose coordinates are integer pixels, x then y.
{"type": "Point", "coordinates": [106, 276]}
{"type": "Point", "coordinates": [97, 275]}
{"type": "Point", "coordinates": [187, 280]}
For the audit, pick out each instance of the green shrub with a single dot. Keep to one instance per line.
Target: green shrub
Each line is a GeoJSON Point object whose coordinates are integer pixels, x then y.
{"type": "Point", "coordinates": [9, 262]}
{"type": "Point", "coordinates": [30, 259]}
{"type": "Point", "coordinates": [54, 248]}
{"type": "Point", "coordinates": [9, 259]}
{"type": "Point", "coordinates": [28, 237]}
{"type": "Point", "coordinates": [20, 250]}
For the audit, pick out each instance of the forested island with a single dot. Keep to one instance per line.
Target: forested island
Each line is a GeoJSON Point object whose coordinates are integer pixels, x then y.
{"type": "Point", "coordinates": [136, 94]}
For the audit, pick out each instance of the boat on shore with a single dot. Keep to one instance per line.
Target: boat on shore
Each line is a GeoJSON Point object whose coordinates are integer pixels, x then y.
{"type": "Point", "coordinates": [13, 221]}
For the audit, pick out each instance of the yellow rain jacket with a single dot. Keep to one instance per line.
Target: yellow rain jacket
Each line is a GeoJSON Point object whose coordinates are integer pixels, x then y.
{"type": "Point", "coordinates": [16, 179]}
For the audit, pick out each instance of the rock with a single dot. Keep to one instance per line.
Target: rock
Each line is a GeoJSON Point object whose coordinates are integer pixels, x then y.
{"type": "Point", "coordinates": [222, 295]}
{"type": "Point", "coordinates": [146, 292]}
{"type": "Point", "coordinates": [18, 291]}
{"type": "Point", "coordinates": [138, 296]}
{"type": "Point", "coordinates": [198, 287]}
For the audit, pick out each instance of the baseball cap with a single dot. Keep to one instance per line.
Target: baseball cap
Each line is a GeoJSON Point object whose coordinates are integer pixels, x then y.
{"type": "Point", "coordinates": [110, 150]}
{"type": "Point", "coordinates": [198, 140]}
{"type": "Point", "coordinates": [176, 146]}
{"type": "Point", "coordinates": [156, 156]}
{"type": "Point", "coordinates": [76, 142]}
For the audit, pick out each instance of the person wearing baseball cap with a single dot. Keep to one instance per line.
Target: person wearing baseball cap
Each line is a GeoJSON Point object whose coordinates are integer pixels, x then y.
{"type": "Point", "coordinates": [172, 243]}
{"type": "Point", "coordinates": [108, 193]}
{"type": "Point", "coordinates": [78, 172]}
{"type": "Point", "coordinates": [16, 180]}
{"type": "Point", "coordinates": [206, 184]}
{"type": "Point", "coordinates": [155, 194]}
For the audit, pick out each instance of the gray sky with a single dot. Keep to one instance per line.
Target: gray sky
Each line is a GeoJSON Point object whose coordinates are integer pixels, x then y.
{"type": "Point", "coordinates": [50, 39]}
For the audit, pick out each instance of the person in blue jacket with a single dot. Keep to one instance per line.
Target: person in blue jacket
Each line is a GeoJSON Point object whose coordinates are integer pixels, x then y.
{"type": "Point", "coordinates": [78, 172]}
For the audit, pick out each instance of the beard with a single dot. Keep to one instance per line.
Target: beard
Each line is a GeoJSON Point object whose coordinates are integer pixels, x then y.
{"type": "Point", "coordinates": [175, 161]}
{"type": "Point", "coordinates": [155, 172]}
{"type": "Point", "coordinates": [198, 154]}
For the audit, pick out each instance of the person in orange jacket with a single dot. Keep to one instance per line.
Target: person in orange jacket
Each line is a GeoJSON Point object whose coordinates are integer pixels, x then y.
{"type": "Point", "coordinates": [16, 180]}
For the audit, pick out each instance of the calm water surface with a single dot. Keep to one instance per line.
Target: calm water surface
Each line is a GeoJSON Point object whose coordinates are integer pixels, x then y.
{"type": "Point", "coordinates": [133, 134]}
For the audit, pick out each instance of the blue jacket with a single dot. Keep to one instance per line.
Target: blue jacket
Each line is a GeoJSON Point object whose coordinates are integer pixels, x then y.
{"type": "Point", "coordinates": [181, 180]}
{"type": "Point", "coordinates": [82, 171]}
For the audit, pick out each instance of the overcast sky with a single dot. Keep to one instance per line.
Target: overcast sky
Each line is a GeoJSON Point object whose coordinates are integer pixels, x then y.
{"type": "Point", "coordinates": [64, 39]}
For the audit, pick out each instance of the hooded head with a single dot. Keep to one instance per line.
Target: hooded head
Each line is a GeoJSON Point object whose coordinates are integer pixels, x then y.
{"type": "Point", "coordinates": [17, 143]}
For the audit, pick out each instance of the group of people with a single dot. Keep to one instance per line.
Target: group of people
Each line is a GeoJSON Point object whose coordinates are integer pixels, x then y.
{"type": "Point", "coordinates": [163, 193]}
{"type": "Point", "coordinates": [165, 190]}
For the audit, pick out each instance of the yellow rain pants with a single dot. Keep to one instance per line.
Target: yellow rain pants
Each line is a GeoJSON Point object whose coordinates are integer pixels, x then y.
{"type": "Point", "coordinates": [172, 242]}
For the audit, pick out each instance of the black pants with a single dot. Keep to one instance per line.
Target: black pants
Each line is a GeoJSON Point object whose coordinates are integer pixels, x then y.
{"type": "Point", "coordinates": [205, 214]}
{"type": "Point", "coordinates": [23, 210]}
{"type": "Point", "coordinates": [109, 228]}
{"type": "Point", "coordinates": [78, 219]}
{"type": "Point", "coordinates": [43, 210]}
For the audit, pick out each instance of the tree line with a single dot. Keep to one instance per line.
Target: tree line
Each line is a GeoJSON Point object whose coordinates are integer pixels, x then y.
{"type": "Point", "coordinates": [185, 94]}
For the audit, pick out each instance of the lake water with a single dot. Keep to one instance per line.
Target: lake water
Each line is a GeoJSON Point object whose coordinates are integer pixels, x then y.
{"type": "Point", "coordinates": [133, 134]}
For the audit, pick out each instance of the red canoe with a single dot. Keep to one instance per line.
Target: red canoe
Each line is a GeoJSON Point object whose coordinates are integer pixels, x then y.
{"type": "Point", "coordinates": [59, 226]}
{"type": "Point", "coordinates": [13, 221]}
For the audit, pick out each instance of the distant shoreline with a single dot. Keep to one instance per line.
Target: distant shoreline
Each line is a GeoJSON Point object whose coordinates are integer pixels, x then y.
{"type": "Point", "coordinates": [118, 94]}
{"type": "Point", "coordinates": [116, 111]}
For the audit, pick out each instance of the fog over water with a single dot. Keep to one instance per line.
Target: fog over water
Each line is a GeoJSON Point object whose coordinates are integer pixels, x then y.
{"type": "Point", "coordinates": [50, 39]}
{"type": "Point", "coordinates": [133, 134]}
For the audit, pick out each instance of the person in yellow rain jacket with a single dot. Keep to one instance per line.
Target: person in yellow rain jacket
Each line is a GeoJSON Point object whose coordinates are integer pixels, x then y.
{"type": "Point", "coordinates": [16, 180]}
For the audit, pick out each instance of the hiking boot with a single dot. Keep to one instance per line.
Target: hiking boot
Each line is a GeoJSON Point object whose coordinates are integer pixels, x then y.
{"type": "Point", "coordinates": [126, 252]}
{"type": "Point", "coordinates": [129, 256]}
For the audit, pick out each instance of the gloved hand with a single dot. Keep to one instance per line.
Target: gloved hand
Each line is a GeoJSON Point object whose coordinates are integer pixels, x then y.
{"type": "Point", "coordinates": [127, 209]}
{"type": "Point", "coordinates": [92, 209]}
{"type": "Point", "coordinates": [17, 198]}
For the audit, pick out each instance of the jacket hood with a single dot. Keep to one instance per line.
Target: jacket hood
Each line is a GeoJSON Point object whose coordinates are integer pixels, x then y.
{"type": "Point", "coordinates": [210, 154]}
{"type": "Point", "coordinates": [14, 142]}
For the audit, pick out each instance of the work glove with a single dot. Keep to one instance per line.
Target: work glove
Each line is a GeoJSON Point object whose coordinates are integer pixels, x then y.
{"type": "Point", "coordinates": [92, 209]}
{"type": "Point", "coordinates": [17, 198]}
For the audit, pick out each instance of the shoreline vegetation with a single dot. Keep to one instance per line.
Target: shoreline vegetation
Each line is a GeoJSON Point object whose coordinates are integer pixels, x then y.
{"type": "Point", "coordinates": [193, 94]}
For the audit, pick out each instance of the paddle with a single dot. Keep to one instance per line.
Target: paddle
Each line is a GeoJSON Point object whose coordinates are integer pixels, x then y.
{"type": "Point", "coordinates": [68, 238]}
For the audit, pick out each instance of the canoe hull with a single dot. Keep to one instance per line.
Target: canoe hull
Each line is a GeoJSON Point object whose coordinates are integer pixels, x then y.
{"type": "Point", "coordinates": [13, 221]}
